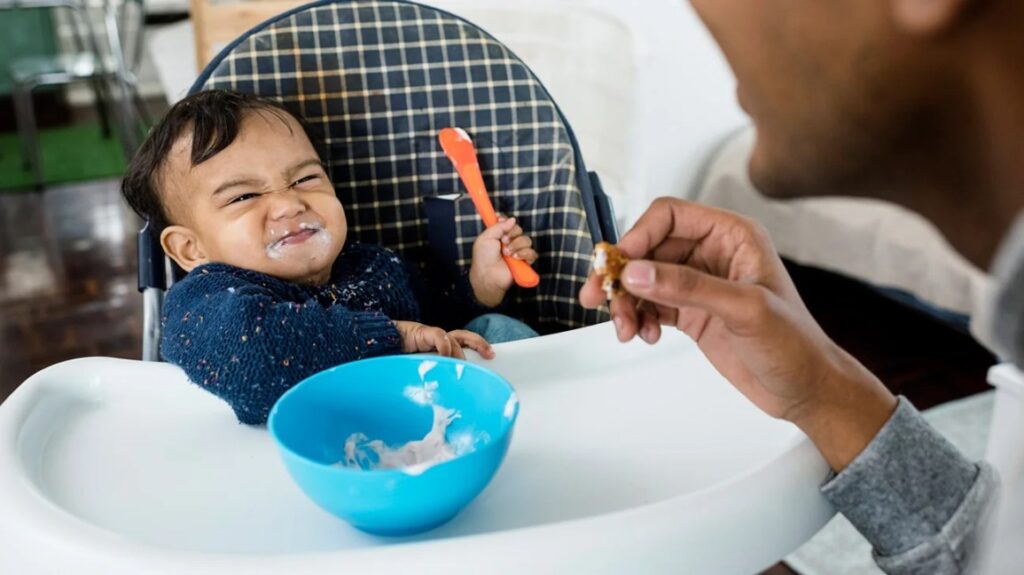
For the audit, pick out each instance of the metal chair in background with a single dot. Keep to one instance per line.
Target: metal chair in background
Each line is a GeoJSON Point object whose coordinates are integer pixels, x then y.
{"type": "Point", "coordinates": [108, 42]}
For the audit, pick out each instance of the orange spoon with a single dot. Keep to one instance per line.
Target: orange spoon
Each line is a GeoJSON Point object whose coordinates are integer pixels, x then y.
{"type": "Point", "coordinates": [459, 148]}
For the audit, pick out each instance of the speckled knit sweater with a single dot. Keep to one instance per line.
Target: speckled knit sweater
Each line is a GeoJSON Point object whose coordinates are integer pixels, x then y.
{"type": "Point", "coordinates": [248, 337]}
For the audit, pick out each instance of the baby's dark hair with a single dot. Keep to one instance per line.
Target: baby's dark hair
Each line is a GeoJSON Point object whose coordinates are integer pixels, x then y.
{"type": "Point", "coordinates": [214, 118]}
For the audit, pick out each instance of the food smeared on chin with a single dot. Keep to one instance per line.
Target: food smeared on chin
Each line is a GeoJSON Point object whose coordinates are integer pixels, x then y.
{"type": "Point", "coordinates": [609, 263]}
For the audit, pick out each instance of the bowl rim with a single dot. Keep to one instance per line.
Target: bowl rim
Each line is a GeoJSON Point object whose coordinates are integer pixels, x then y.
{"type": "Point", "coordinates": [494, 443]}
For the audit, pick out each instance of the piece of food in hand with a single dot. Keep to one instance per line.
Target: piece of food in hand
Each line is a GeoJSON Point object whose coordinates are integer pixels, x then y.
{"type": "Point", "coordinates": [609, 263]}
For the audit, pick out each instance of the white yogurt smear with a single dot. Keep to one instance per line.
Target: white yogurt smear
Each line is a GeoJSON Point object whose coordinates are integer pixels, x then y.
{"type": "Point", "coordinates": [416, 456]}
{"type": "Point", "coordinates": [412, 458]}
{"type": "Point", "coordinates": [422, 395]}
{"type": "Point", "coordinates": [320, 241]}
{"type": "Point", "coordinates": [510, 406]}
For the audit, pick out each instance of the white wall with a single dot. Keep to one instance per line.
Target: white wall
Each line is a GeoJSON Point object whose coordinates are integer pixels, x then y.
{"type": "Point", "coordinates": [687, 100]}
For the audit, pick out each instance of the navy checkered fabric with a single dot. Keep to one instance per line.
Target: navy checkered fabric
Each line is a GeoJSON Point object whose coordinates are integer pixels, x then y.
{"type": "Point", "coordinates": [376, 81]}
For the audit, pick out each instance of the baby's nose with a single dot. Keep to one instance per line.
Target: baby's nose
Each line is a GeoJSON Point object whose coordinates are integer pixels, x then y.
{"type": "Point", "coordinates": [286, 204]}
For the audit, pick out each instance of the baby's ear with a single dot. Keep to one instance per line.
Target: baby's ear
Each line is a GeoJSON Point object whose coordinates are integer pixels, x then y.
{"type": "Point", "coordinates": [183, 246]}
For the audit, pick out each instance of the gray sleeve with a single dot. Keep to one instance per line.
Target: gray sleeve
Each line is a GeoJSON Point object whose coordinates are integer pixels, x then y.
{"type": "Point", "coordinates": [915, 498]}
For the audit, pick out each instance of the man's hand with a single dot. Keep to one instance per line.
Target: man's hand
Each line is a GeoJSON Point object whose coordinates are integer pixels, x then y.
{"type": "Point", "coordinates": [716, 276]}
{"type": "Point", "coordinates": [417, 338]}
{"type": "Point", "coordinates": [488, 273]}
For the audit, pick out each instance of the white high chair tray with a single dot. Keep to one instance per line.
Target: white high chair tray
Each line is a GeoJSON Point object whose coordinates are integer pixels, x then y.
{"type": "Point", "coordinates": [625, 459]}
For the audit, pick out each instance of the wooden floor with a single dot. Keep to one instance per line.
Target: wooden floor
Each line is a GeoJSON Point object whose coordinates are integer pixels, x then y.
{"type": "Point", "coordinates": [67, 279]}
{"type": "Point", "coordinates": [68, 289]}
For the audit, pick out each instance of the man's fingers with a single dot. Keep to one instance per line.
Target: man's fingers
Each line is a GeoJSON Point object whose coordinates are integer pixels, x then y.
{"type": "Point", "coordinates": [686, 222]}
{"type": "Point", "coordinates": [649, 328]}
{"type": "Point", "coordinates": [692, 321]}
{"type": "Point", "coordinates": [667, 315]}
{"type": "Point", "coordinates": [591, 294]}
{"type": "Point", "coordinates": [680, 286]}
{"type": "Point", "coordinates": [623, 310]}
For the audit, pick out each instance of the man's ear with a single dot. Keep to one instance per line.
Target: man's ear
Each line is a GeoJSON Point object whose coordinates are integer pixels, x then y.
{"type": "Point", "coordinates": [183, 246]}
{"type": "Point", "coordinates": [929, 17]}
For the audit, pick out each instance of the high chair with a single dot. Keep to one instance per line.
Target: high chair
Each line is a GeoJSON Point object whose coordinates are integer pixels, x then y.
{"type": "Point", "coordinates": [626, 459]}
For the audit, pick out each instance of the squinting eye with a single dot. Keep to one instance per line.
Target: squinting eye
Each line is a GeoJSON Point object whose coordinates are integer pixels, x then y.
{"type": "Point", "coordinates": [242, 198]}
{"type": "Point", "coordinates": [306, 179]}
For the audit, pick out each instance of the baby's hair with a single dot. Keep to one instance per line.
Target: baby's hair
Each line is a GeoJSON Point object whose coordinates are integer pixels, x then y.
{"type": "Point", "coordinates": [214, 118]}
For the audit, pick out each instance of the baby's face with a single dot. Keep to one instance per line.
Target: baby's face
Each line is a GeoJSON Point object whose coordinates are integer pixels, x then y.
{"type": "Point", "coordinates": [264, 203]}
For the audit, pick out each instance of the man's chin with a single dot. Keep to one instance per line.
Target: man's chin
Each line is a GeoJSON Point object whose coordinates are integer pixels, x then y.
{"type": "Point", "coordinates": [765, 177]}
{"type": "Point", "coordinates": [780, 180]}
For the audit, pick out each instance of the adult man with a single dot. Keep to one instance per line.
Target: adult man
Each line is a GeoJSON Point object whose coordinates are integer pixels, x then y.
{"type": "Point", "coordinates": [917, 101]}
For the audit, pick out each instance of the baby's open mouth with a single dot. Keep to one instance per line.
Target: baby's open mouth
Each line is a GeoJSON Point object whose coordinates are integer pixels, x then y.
{"type": "Point", "coordinates": [296, 237]}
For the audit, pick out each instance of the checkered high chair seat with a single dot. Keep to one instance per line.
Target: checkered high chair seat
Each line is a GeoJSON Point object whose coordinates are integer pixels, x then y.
{"type": "Point", "coordinates": [377, 80]}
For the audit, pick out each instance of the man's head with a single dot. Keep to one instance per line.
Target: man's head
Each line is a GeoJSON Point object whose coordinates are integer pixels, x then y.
{"type": "Point", "coordinates": [233, 178]}
{"type": "Point", "coordinates": [916, 101]}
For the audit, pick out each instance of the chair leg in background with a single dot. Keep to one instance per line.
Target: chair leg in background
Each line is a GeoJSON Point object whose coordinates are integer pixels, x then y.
{"type": "Point", "coordinates": [102, 105]}
{"type": "Point", "coordinates": [25, 116]}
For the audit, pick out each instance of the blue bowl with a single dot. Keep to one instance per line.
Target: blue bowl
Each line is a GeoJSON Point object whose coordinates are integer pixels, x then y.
{"type": "Point", "coordinates": [386, 398]}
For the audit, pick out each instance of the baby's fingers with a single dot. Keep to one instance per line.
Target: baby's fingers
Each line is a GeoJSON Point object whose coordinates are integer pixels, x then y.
{"type": "Point", "coordinates": [440, 341]}
{"type": "Point", "coordinates": [456, 349]}
{"type": "Point", "coordinates": [529, 255]}
{"type": "Point", "coordinates": [517, 245]}
{"type": "Point", "coordinates": [513, 233]}
{"type": "Point", "coordinates": [474, 342]}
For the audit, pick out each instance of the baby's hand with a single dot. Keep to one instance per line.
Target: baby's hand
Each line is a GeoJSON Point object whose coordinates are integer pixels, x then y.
{"type": "Point", "coordinates": [488, 273]}
{"type": "Point", "coordinates": [417, 337]}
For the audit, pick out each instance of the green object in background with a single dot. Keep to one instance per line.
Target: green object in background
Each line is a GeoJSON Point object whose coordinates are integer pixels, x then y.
{"type": "Point", "coordinates": [69, 154]}
{"type": "Point", "coordinates": [24, 32]}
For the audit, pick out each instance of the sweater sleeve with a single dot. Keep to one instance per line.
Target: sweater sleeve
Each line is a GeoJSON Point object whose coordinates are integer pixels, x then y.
{"type": "Point", "coordinates": [247, 347]}
{"type": "Point", "coordinates": [392, 287]}
{"type": "Point", "coordinates": [915, 498]}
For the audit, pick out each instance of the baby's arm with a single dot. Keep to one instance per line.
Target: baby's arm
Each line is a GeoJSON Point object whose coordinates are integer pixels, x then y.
{"type": "Point", "coordinates": [247, 348]}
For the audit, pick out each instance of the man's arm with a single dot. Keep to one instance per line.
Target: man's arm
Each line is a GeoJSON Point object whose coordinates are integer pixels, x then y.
{"type": "Point", "coordinates": [715, 276]}
{"type": "Point", "coordinates": [915, 498]}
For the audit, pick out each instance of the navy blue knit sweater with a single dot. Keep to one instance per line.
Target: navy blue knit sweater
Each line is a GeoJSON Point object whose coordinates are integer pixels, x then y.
{"type": "Point", "coordinates": [248, 337]}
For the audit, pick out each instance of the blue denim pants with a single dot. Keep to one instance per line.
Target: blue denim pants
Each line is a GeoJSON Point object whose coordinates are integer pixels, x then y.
{"type": "Point", "coordinates": [498, 328]}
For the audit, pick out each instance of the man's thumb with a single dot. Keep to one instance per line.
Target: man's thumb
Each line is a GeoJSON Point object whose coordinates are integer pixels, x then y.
{"type": "Point", "coordinates": [677, 286]}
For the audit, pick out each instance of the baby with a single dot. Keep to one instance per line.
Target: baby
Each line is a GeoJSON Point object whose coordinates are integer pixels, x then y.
{"type": "Point", "coordinates": [240, 199]}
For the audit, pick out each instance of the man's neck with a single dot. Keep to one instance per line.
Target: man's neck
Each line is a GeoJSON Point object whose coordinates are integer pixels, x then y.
{"type": "Point", "coordinates": [974, 188]}
{"type": "Point", "coordinates": [1002, 94]}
